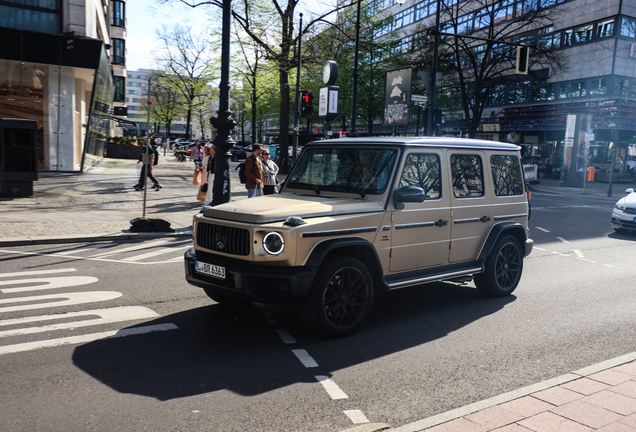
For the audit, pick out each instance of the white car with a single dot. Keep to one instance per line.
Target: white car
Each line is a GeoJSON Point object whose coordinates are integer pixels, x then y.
{"type": "Point", "coordinates": [624, 214]}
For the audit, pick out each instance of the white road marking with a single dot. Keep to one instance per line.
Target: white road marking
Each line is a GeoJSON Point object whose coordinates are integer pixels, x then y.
{"type": "Point", "coordinates": [542, 229]}
{"type": "Point", "coordinates": [563, 240]}
{"type": "Point", "coordinates": [609, 265]}
{"type": "Point", "coordinates": [28, 346]}
{"type": "Point", "coordinates": [90, 258]}
{"type": "Point", "coordinates": [37, 272]}
{"type": "Point", "coordinates": [305, 358]}
{"type": "Point", "coordinates": [537, 248]}
{"type": "Point", "coordinates": [129, 249]}
{"type": "Point", "coordinates": [578, 253]}
{"type": "Point", "coordinates": [70, 299]}
{"type": "Point", "coordinates": [285, 336]}
{"type": "Point", "coordinates": [47, 283]}
{"type": "Point", "coordinates": [106, 316]}
{"type": "Point", "coordinates": [356, 416]}
{"type": "Point", "coordinates": [85, 248]}
{"type": "Point", "coordinates": [587, 260]}
{"type": "Point", "coordinates": [155, 253]}
{"type": "Point", "coordinates": [331, 387]}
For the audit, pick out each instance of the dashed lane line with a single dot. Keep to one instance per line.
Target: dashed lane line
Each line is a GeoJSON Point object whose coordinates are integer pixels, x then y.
{"type": "Point", "coordinates": [285, 336]}
{"type": "Point", "coordinates": [563, 240]}
{"type": "Point", "coordinates": [332, 388]}
{"type": "Point", "coordinates": [305, 358]}
{"type": "Point", "coordinates": [542, 229]}
{"type": "Point", "coordinates": [356, 416]}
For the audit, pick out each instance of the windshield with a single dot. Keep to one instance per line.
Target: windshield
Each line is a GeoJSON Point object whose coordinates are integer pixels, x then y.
{"type": "Point", "coordinates": [343, 169]}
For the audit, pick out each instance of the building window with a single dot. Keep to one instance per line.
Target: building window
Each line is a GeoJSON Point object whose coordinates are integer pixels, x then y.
{"type": "Point", "coordinates": [39, 15]}
{"type": "Point", "coordinates": [119, 13]}
{"type": "Point", "coordinates": [621, 86]}
{"type": "Point", "coordinates": [598, 86]}
{"type": "Point", "coordinates": [628, 28]}
{"type": "Point", "coordinates": [132, 92]}
{"type": "Point", "coordinates": [120, 85]}
{"type": "Point", "coordinates": [605, 29]}
{"type": "Point", "coordinates": [119, 51]}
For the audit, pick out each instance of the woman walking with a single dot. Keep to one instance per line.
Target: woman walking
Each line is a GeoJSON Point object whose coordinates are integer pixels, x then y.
{"type": "Point", "coordinates": [207, 176]}
{"type": "Point", "coordinates": [270, 169]}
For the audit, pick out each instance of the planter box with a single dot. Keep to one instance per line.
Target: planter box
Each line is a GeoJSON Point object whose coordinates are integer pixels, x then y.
{"type": "Point", "coordinates": [616, 178]}
{"type": "Point", "coordinates": [123, 151]}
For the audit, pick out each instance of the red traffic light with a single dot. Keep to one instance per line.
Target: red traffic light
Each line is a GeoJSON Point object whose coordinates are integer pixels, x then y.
{"type": "Point", "coordinates": [306, 98]}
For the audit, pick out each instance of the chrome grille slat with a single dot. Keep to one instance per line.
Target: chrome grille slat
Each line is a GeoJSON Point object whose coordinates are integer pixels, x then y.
{"type": "Point", "coordinates": [238, 239]}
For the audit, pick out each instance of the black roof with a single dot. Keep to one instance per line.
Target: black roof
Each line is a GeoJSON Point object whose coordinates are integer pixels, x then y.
{"type": "Point", "coordinates": [465, 143]}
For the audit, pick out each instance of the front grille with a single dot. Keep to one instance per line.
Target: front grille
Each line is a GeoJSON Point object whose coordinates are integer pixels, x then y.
{"type": "Point", "coordinates": [219, 238]}
{"type": "Point", "coordinates": [630, 210]}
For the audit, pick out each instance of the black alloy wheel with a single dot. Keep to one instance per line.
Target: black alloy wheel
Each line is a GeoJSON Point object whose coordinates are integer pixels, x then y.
{"type": "Point", "coordinates": [503, 268]}
{"type": "Point", "coordinates": [340, 299]}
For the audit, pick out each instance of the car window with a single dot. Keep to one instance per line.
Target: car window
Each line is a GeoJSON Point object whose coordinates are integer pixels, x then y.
{"type": "Point", "coordinates": [343, 169]}
{"type": "Point", "coordinates": [423, 171]}
{"type": "Point", "coordinates": [468, 175]}
{"type": "Point", "coordinates": [506, 175]}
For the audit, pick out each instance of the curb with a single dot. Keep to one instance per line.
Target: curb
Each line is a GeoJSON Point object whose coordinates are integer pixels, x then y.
{"type": "Point", "coordinates": [512, 395]}
{"type": "Point", "coordinates": [31, 241]}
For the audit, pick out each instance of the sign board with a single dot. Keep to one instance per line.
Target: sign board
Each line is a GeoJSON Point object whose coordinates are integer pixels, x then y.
{"type": "Point", "coordinates": [328, 102]}
{"type": "Point", "coordinates": [589, 137]}
{"type": "Point", "coordinates": [343, 134]}
{"type": "Point", "coordinates": [419, 98]}
{"type": "Point", "coordinates": [492, 127]}
{"type": "Point", "coordinates": [397, 97]}
{"type": "Point", "coordinates": [570, 130]}
{"type": "Point", "coordinates": [530, 172]}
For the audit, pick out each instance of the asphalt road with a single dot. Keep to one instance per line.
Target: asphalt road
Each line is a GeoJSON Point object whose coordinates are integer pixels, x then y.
{"type": "Point", "coordinates": [175, 361]}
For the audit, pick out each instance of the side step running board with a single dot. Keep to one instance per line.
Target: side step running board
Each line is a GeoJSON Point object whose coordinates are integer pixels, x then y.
{"type": "Point", "coordinates": [434, 277]}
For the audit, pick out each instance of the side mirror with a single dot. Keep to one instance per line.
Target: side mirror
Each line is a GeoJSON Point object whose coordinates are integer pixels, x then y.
{"type": "Point", "coordinates": [628, 191]}
{"type": "Point", "coordinates": [408, 194]}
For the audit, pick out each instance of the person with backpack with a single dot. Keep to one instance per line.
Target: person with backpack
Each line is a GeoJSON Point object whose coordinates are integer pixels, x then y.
{"type": "Point", "coordinates": [148, 163]}
{"type": "Point", "coordinates": [254, 172]}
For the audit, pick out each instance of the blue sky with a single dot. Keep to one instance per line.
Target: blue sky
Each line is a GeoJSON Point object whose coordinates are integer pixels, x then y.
{"type": "Point", "coordinates": [144, 19]}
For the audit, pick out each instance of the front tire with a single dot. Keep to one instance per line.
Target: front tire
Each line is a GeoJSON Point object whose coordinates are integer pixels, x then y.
{"type": "Point", "coordinates": [235, 158]}
{"type": "Point", "coordinates": [503, 269]}
{"type": "Point", "coordinates": [340, 299]}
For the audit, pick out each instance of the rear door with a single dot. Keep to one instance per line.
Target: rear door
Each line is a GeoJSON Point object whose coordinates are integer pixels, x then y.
{"type": "Point", "coordinates": [471, 204]}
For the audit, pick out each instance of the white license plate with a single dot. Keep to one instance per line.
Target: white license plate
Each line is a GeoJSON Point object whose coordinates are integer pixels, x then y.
{"type": "Point", "coordinates": [210, 269]}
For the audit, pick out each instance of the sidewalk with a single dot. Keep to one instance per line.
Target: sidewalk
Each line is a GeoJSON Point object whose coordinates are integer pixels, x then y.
{"type": "Point", "coordinates": [601, 397]}
{"type": "Point", "coordinates": [100, 203]}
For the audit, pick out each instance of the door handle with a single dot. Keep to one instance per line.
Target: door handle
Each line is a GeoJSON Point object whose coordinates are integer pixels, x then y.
{"type": "Point", "coordinates": [485, 219]}
{"type": "Point", "coordinates": [441, 223]}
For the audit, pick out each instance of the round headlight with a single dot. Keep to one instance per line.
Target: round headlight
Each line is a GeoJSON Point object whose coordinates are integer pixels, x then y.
{"type": "Point", "coordinates": [273, 243]}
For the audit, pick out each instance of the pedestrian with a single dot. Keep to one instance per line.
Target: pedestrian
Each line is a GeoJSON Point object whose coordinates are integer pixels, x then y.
{"type": "Point", "coordinates": [270, 169]}
{"type": "Point", "coordinates": [207, 176]}
{"type": "Point", "coordinates": [147, 158]}
{"type": "Point", "coordinates": [254, 172]}
{"type": "Point", "coordinates": [197, 156]}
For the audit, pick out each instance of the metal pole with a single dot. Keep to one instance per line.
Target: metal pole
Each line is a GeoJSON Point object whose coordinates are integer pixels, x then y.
{"type": "Point", "coordinates": [295, 141]}
{"type": "Point", "coordinates": [223, 122]}
{"type": "Point", "coordinates": [145, 163]}
{"type": "Point", "coordinates": [609, 190]}
{"type": "Point", "coordinates": [354, 95]}
{"type": "Point", "coordinates": [430, 121]}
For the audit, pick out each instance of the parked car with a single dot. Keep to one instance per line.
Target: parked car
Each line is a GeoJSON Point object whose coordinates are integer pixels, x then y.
{"type": "Point", "coordinates": [359, 216]}
{"type": "Point", "coordinates": [238, 153]}
{"type": "Point", "coordinates": [624, 213]}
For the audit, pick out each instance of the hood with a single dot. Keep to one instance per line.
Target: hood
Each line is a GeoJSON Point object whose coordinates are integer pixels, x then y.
{"type": "Point", "coordinates": [629, 200]}
{"type": "Point", "coordinates": [275, 208]}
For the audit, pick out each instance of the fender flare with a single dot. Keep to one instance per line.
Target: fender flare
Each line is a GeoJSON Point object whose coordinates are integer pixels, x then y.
{"type": "Point", "coordinates": [514, 228]}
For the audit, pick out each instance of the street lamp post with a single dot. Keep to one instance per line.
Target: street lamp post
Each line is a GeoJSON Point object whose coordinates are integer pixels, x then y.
{"type": "Point", "coordinates": [430, 120]}
{"type": "Point", "coordinates": [224, 123]}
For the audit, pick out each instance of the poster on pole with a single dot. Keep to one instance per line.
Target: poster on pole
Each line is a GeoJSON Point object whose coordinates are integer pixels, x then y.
{"type": "Point", "coordinates": [570, 130]}
{"type": "Point", "coordinates": [397, 97]}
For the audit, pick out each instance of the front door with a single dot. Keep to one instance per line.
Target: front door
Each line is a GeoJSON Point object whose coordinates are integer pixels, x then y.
{"type": "Point", "coordinates": [420, 232]}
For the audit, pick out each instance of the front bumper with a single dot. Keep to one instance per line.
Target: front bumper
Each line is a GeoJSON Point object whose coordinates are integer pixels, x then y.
{"type": "Point", "coordinates": [258, 283]}
{"type": "Point", "coordinates": [624, 221]}
{"type": "Point", "coordinates": [529, 246]}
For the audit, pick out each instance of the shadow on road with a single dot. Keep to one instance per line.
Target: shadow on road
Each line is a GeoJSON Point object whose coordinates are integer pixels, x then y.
{"type": "Point", "coordinates": [218, 348]}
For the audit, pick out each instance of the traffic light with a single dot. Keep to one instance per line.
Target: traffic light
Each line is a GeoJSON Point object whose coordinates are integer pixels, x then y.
{"type": "Point", "coordinates": [523, 57]}
{"type": "Point", "coordinates": [306, 103]}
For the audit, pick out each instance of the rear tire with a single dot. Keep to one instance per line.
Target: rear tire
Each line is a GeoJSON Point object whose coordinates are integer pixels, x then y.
{"type": "Point", "coordinates": [503, 269]}
{"type": "Point", "coordinates": [340, 299]}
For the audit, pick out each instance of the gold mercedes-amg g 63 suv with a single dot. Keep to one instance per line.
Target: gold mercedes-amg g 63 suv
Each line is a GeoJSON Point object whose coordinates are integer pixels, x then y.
{"type": "Point", "coordinates": [358, 216]}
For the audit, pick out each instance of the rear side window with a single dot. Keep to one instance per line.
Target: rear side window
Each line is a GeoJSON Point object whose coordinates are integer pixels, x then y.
{"type": "Point", "coordinates": [506, 175]}
{"type": "Point", "coordinates": [422, 170]}
{"type": "Point", "coordinates": [468, 175]}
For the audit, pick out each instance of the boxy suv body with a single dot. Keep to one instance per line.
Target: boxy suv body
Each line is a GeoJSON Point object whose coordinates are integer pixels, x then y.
{"type": "Point", "coordinates": [357, 216]}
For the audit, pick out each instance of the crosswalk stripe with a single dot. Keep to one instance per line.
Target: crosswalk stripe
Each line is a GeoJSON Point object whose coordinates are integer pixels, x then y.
{"type": "Point", "coordinates": [37, 272]}
{"type": "Point", "coordinates": [91, 337]}
{"type": "Point", "coordinates": [84, 249]}
{"type": "Point", "coordinates": [155, 253]}
{"type": "Point", "coordinates": [130, 249]}
{"type": "Point", "coordinates": [106, 316]}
